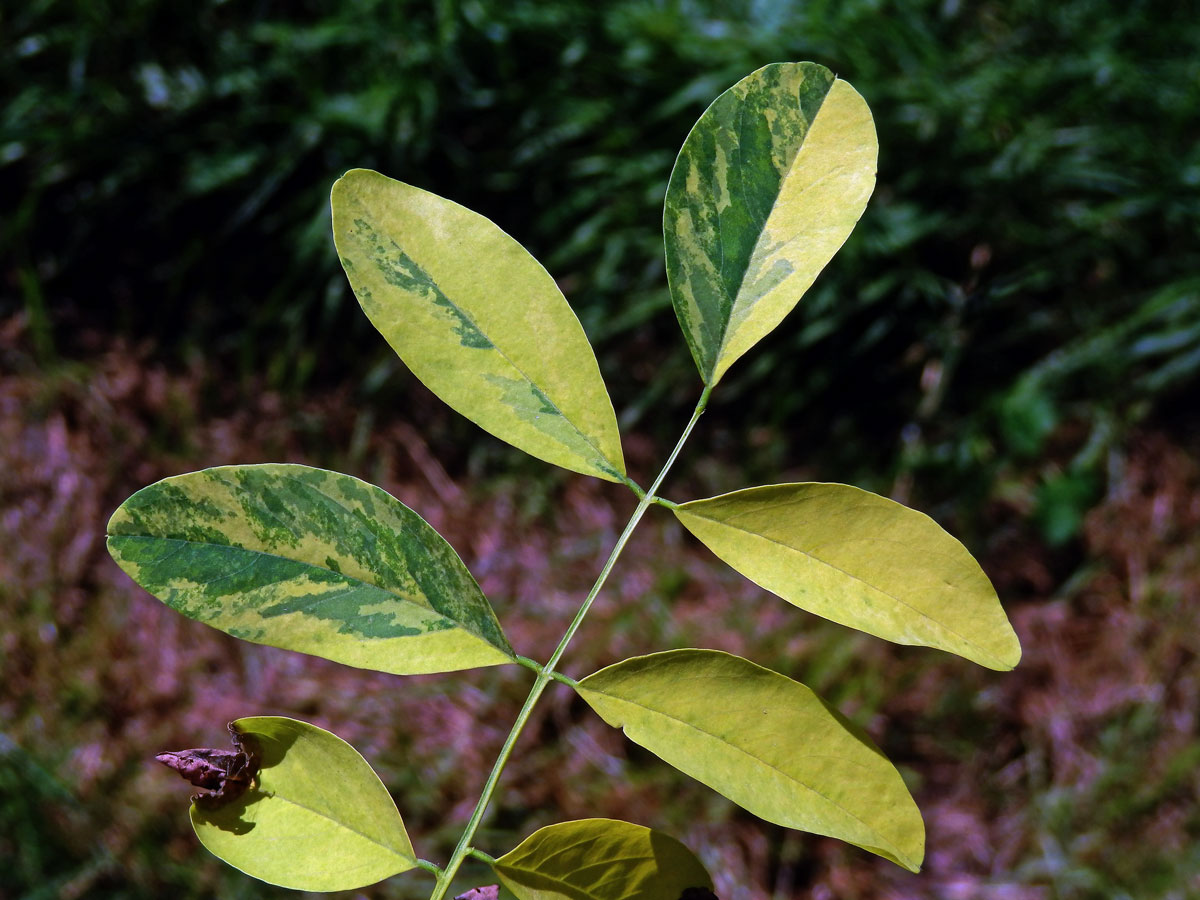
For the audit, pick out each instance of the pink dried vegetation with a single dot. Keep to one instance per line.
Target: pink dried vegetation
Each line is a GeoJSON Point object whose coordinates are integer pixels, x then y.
{"type": "Point", "coordinates": [98, 676]}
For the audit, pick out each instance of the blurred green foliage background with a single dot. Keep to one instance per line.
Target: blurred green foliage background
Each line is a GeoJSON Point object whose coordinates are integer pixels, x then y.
{"type": "Point", "coordinates": [1030, 254]}
{"type": "Point", "coordinates": [1022, 293]}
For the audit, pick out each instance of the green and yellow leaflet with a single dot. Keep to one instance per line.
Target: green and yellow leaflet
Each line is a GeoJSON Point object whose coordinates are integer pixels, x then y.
{"type": "Point", "coordinates": [769, 184]}
{"type": "Point", "coordinates": [600, 859]}
{"type": "Point", "coordinates": [862, 560]}
{"type": "Point", "coordinates": [319, 819]}
{"type": "Point", "coordinates": [308, 560]}
{"type": "Point", "coordinates": [766, 742]}
{"type": "Point", "coordinates": [477, 319]}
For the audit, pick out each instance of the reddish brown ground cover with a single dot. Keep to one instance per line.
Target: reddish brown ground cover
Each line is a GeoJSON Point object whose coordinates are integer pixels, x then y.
{"type": "Point", "coordinates": [1073, 776]}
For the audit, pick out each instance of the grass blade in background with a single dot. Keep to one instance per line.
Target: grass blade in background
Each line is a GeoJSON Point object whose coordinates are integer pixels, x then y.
{"type": "Point", "coordinates": [477, 319]}
{"type": "Point", "coordinates": [766, 742]}
{"type": "Point", "coordinates": [862, 560]}
{"type": "Point", "coordinates": [318, 820]}
{"type": "Point", "coordinates": [600, 859]}
{"type": "Point", "coordinates": [308, 560]}
{"type": "Point", "coordinates": [769, 184]}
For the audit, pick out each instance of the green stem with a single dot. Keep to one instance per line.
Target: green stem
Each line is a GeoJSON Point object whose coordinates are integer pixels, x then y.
{"type": "Point", "coordinates": [564, 679]}
{"type": "Point", "coordinates": [528, 663]}
{"type": "Point", "coordinates": [547, 673]}
{"type": "Point", "coordinates": [633, 486]}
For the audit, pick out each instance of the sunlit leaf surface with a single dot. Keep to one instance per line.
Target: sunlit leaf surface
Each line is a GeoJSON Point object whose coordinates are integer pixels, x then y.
{"type": "Point", "coordinates": [309, 560]}
{"type": "Point", "coordinates": [766, 742]}
{"type": "Point", "coordinates": [477, 319]}
{"type": "Point", "coordinates": [861, 560]}
{"type": "Point", "coordinates": [600, 859]}
{"type": "Point", "coordinates": [318, 820]}
{"type": "Point", "coordinates": [769, 184]}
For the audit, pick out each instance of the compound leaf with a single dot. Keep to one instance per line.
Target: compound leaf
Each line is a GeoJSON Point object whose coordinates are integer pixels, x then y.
{"type": "Point", "coordinates": [861, 560]}
{"type": "Point", "coordinates": [310, 560]}
{"type": "Point", "coordinates": [600, 859]}
{"type": "Point", "coordinates": [769, 184]}
{"type": "Point", "coordinates": [318, 818]}
{"type": "Point", "coordinates": [477, 320]}
{"type": "Point", "coordinates": [766, 742]}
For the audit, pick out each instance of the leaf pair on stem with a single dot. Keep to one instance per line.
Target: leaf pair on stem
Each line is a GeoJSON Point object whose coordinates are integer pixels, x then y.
{"type": "Point", "coordinates": [768, 185]}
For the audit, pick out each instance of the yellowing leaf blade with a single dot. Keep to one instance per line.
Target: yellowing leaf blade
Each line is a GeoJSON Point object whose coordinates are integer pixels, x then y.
{"type": "Point", "coordinates": [766, 742]}
{"type": "Point", "coordinates": [477, 320]}
{"type": "Point", "coordinates": [600, 859]}
{"type": "Point", "coordinates": [309, 560]}
{"type": "Point", "coordinates": [767, 187]}
{"type": "Point", "coordinates": [861, 560]}
{"type": "Point", "coordinates": [318, 818]}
